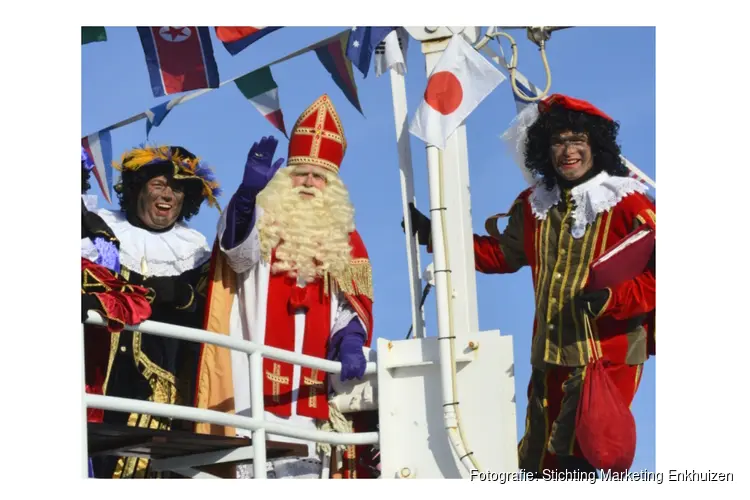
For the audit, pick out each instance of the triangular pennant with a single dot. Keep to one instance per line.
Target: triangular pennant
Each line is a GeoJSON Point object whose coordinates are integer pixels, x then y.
{"type": "Point", "coordinates": [99, 148]}
{"type": "Point", "coordinates": [90, 34]}
{"type": "Point", "coordinates": [156, 115]}
{"type": "Point", "coordinates": [261, 90]}
{"type": "Point", "coordinates": [334, 60]}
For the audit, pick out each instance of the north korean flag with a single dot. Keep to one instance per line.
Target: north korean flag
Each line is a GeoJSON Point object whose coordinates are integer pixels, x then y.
{"type": "Point", "coordinates": [179, 58]}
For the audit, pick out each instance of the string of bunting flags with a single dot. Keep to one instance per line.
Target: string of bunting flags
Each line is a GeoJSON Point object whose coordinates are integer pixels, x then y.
{"type": "Point", "coordinates": [181, 59]}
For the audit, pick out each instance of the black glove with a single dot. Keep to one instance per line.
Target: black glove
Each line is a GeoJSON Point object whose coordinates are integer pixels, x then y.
{"type": "Point", "coordinates": [420, 225]}
{"type": "Point", "coordinates": [593, 303]}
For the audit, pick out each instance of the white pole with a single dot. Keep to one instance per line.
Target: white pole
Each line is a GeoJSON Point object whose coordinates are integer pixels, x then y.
{"type": "Point", "coordinates": [196, 335]}
{"type": "Point", "coordinates": [444, 293]}
{"type": "Point", "coordinates": [258, 410]}
{"type": "Point", "coordinates": [398, 90]}
{"type": "Point", "coordinates": [125, 405]}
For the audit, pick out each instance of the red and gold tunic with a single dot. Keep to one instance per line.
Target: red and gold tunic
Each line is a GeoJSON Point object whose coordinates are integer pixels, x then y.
{"type": "Point", "coordinates": [559, 234]}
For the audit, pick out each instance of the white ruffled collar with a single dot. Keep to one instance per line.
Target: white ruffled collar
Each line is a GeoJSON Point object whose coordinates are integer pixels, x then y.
{"type": "Point", "coordinates": [164, 254]}
{"type": "Point", "coordinates": [591, 198]}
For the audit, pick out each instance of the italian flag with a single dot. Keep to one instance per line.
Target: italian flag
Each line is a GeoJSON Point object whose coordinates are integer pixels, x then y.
{"type": "Point", "coordinates": [261, 90]}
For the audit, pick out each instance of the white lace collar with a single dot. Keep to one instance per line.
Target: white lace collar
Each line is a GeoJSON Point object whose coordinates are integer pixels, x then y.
{"type": "Point", "coordinates": [591, 198]}
{"type": "Point", "coordinates": [164, 254]}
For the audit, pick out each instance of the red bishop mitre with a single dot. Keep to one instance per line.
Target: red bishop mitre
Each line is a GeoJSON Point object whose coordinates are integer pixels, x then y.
{"type": "Point", "coordinates": [318, 137]}
{"type": "Point", "coordinates": [572, 104]}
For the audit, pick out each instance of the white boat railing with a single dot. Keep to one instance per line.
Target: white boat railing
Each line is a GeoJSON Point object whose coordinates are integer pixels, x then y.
{"type": "Point", "coordinates": [257, 423]}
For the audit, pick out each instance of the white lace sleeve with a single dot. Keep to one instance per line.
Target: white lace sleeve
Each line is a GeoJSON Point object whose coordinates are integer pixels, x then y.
{"type": "Point", "coordinates": [247, 254]}
{"type": "Point", "coordinates": [344, 315]}
{"type": "Point", "coordinates": [88, 250]}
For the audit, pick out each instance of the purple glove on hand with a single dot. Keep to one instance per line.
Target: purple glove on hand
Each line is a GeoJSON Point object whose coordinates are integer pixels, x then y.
{"type": "Point", "coordinates": [258, 168]}
{"type": "Point", "coordinates": [353, 362]}
{"type": "Point", "coordinates": [109, 254]}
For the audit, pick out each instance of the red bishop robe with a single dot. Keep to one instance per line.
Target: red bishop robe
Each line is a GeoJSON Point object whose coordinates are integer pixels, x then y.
{"type": "Point", "coordinates": [285, 298]}
{"type": "Point", "coordinates": [215, 382]}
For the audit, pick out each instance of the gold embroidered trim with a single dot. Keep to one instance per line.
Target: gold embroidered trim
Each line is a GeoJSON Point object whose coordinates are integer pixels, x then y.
{"type": "Point", "coordinates": [351, 461]}
{"type": "Point", "coordinates": [549, 292]}
{"type": "Point", "coordinates": [149, 369]}
{"type": "Point", "coordinates": [606, 304]}
{"type": "Point", "coordinates": [322, 108]}
{"type": "Point", "coordinates": [314, 384]}
{"type": "Point", "coordinates": [106, 235]}
{"type": "Point", "coordinates": [328, 165]}
{"type": "Point", "coordinates": [89, 280]}
{"type": "Point", "coordinates": [190, 302]}
{"type": "Point", "coordinates": [305, 130]}
{"type": "Point", "coordinates": [357, 279]}
{"type": "Point", "coordinates": [276, 381]}
{"type": "Point", "coordinates": [137, 467]}
{"type": "Point", "coordinates": [577, 286]}
{"type": "Point", "coordinates": [163, 390]}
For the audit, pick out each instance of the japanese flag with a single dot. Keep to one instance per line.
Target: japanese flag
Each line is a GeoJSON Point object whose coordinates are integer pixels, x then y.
{"type": "Point", "coordinates": [462, 78]}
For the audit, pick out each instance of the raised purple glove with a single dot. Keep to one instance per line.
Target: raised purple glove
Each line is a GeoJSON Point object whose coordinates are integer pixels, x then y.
{"type": "Point", "coordinates": [353, 362]}
{"type": "Point", "coordinates": [258, 168]}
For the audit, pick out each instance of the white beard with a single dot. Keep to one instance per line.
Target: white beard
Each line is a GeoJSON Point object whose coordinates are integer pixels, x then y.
{"type": "Point", "coordinates": [310, 235]}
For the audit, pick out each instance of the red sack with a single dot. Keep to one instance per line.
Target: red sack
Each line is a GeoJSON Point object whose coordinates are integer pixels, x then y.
{"type": "Point", "coordinates": [605, 427]}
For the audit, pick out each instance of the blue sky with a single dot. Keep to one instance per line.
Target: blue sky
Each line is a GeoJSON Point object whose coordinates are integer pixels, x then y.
{"type": "Point", "coordinates": [614, 68]}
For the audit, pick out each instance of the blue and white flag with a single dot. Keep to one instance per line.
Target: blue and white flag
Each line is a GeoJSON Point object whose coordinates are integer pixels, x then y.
{"type": "Point", "coordinates": [391, 52]}
{"type": "Point", "coordinates": [156, 115]}
{"type": "Point", "coordinates": [362, 43]}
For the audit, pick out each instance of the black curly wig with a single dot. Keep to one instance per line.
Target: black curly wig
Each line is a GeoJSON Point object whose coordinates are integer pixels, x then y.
{"type": "Point", "coordinates": [602, 135]}
{"type": "Point", "coordinates": [132, 183]}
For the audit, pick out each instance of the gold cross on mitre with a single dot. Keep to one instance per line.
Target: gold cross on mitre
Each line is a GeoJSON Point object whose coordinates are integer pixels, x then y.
{"type": "Point", "coordinates": [318, 137]}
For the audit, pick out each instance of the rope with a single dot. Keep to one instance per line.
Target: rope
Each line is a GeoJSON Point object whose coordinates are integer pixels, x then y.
{"type": "Point", "coordinates": [452, 335]}
{"type": "Point", "coordinates": [590, 336]}
{"type": "Point", "coordinates": [336, 422]}
{"type": "Point", "coordinates": [514, 64]}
